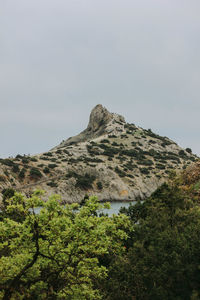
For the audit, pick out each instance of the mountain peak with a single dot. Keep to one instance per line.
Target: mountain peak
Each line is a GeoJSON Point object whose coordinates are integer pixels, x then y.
{"type": "Point", "coordinates": [101, 122]}
{"type": "Point", "coordinates": [100, 116]}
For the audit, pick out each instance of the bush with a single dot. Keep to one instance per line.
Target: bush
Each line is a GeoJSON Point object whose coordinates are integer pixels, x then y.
{"type": "Point", "coordinates": [52, 184]}
{"type": "Point", "coordinates": [25, 160]}
{"type": "Point", "coordinates": [120, 172]}
{"type": "Point", "coordinates": [7, 162]}
{"type": "Point", "coordinates": [48, 154]}
{"type": "Point", "coordinates": [160, 166]}
{"type": "Point", "coordinates": [182, 153]}
{"type": "Point", "coordinates": [105, 141]}
{"type": "Point", "coordinates": [188, 150]}
{"type": "Point", "coordinates": [52, 166]}
{"type": "Point", "coordinates": [33, 159]}
{"type": "Point", "coordinates": [85, 181]}
{"type": "Point", "coordinates": [35, 173]}
{"type": "Point", "coordinates": [144, 170]}
{"type": "Point", "coordinates": [22, 173]}
{"type": "Point", "coordinates": [15, 168]}
{"type": "Point", "coordinates": [99, 185]}
{"type": "Point", "coordinates": [46, 170]}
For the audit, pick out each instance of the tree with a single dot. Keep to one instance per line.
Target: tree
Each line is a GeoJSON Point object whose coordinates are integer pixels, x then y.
{"type": "Point", "coordinates": [162, 260]}
{"type": "Point", "coordinates": [55, 253]}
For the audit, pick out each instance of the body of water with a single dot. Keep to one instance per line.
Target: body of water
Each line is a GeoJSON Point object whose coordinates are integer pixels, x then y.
{"type": "Point", "coordinates": [114, 207]}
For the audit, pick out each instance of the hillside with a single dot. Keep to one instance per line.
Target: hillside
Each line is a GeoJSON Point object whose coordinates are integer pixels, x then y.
{"type": "Point", "coordinates": [110, 158]}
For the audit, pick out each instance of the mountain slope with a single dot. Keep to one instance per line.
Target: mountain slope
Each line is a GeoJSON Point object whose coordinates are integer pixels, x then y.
{"type": "Point", "coordinates": [110, 158]}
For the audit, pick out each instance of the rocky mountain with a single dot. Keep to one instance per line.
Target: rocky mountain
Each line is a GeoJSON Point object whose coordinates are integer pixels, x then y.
{"type": "Point", "coordinates": [110, 158]}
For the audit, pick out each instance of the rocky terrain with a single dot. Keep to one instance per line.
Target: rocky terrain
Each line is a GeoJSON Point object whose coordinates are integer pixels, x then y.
{"type": "Point", "coordinates": [110, 158]}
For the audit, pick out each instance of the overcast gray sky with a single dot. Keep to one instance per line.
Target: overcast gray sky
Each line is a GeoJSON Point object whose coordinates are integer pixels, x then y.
{"type": "Point", "coordinates": [59, 58]}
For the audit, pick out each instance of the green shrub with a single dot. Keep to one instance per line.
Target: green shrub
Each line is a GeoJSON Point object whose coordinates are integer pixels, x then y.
{"type": "Point", "coordinates": [46, 170]}
{"type": "Point", "coordinates": [33, 159]}
{"type": "Point", "coordinates": [99, 185]}
{"type": "Point", "coordinates": [22, 173]}
{"type": "Point", "coordinates": [84, 181]}
{"type": "Point", "coordinates": [105, 141]}
{"type": "Point", "coordinates": [160, 166]}
{"type": "Point", "coordinates": [7, 162]}
{"type": "Point", "coordinates": [144, 170]}
{"type": "Point", "coordinates": [52, 166]}
{"type": "Point", "coordinates": [52, 184]}
{"type": "Point", "coordinates": [25, 160]}
{"type": "Point", "coordinates": [15, 168]}
{"type": "Point", "coordinates": [48, 154]}
{"type": "Point", "coordinates": [182, 153]}
{"type": "Point", "coordinates": [120, 172]}
{"type": "Point", "coordinates": [188, 150]}
{"type": "Point", "coordinates": [35, 173]}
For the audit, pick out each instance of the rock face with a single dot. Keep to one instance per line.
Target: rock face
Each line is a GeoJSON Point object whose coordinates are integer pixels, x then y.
{"type": "Point", "coordinates": [101, 121]}
{"type": "Point", "coordinates": [110, 158]}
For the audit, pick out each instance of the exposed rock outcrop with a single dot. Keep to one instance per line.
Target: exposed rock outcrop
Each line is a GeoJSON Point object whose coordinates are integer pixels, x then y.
{"type": "Point", "coordinates": [101, 122]}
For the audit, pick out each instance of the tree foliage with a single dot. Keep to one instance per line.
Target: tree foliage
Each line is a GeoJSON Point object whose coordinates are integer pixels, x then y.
{"type": "Point", "coordinates": [162, 259]}
{"type": "Point", "coordinates": [56, 252]}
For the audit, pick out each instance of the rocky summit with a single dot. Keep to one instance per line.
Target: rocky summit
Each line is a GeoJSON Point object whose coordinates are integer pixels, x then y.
{"type": "Point", "coordinates": [112, 159]}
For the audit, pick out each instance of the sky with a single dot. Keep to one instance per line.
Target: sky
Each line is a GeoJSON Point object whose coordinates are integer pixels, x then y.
{"type": "Point", "coordinates": [59, 58]}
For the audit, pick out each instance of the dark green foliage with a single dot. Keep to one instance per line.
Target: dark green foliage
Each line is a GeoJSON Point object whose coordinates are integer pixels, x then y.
{"type": "Point", "coordinates": [18, 156]}
{"type": "Point", "coordinates": [52, 184]}
{"type": "Point", "coordinates": [15, 168]}
{"type": "Point", "coordinates": [160, 166]}
{"type": "Point", "coordinates": [120, 172]}
{"type": "Point", "coordinates": [130, 166]}
{"type": "Point", "coordinates": [44, 158]}
{"type": "Point", "coordinates": [59, 151]}
{"type": "Point", "coordinates": [164, 140]}
{"type": "Point", "coordinates": [71, 174]}
{"type": "Point", "coordinates": [131, 127]}
{"type": "Point", "coordinates": [48, 154]}
{"type": "Point", "coordinates": [144, 170]}
{"type": "Point", "coordinates": [66, 151]}
{"type": "Point", "coordinates": [52, 166]}
{"type": "Point", "coordinates": [46, 170]}
{"type": "Point", "coordinates": [7, 162]}
{"type": "Point", "coordinates": [152, 142]}
{"type": "Point", "coordinates": [99, 185]}
{"type": "Point", "coordinates": [162, 258]}
{"type": "Point", "coordinates": [115, 144]}
{"type": "Point", "coordinates": [112, 136]}
{"type": "Point", "coordinates": [182, 153]}
{"type": "Point", "coordinates": [94, 160]}
{"type": "Point", "coordinates": [22, 173]}
{"type": "Point", "coordinates": [105, 141]}
{"type": "Point", "coordinates": [25, 160]}
{"type": "Point", "coordinates": [35, 173]}
{"type": "Point", "coordinates": [53, 159]}
{"type": "Point", "coordinates": [93, 150]}
{"type": "Point", "coordinates": [124, 136]}
{"type": "Point", "coordinates": [84, 181]}
{"type": "Point", "coordinates": [188, 150]}
{"type": "Point", "coordinates": [33, 159]}
{"type": "Point", "coordinates": [110, 151]}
